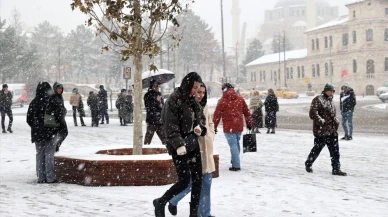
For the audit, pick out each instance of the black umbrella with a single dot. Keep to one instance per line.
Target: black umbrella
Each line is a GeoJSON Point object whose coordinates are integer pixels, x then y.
{"type": "Point", "coordinates": [161, 76]}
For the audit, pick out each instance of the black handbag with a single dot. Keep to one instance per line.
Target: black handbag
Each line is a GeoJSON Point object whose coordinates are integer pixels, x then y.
{"type": "Point", "coordinates": [249, 142]}
{"type": "Point", "coordinates": [191, 141]}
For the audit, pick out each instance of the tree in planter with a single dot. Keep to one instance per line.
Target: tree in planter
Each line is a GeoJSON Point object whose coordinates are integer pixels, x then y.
{"type": "Point", "coordinates": [131, 30]}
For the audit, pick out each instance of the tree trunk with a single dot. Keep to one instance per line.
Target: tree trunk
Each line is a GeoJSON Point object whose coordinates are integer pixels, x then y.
{"type": "Point", "coordinates": [137, 116]}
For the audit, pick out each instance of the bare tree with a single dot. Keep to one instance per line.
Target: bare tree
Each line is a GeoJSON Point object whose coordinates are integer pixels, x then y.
{"type": "Point", "coordinates": [130, 26]}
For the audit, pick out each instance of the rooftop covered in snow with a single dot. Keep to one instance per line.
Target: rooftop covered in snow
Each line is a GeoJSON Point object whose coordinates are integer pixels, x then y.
{"type": "Point", "coordinates": [336, 22]}
{"type": "Point", "coordinates": [271, 58]}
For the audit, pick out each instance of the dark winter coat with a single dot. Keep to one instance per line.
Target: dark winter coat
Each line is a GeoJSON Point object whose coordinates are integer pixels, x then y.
{"type": "Point", "coordinates": [232, 108]}
{"type": "Point", "coordinates": [181, 113]}
{"type": "Point", "coordinates": [5, 100]}
{"type": "Point", "coordinates": [103, 99]}
{"type": "Point", "coordinates": [92, 102]}
{"type": "Point", "coordinates": [323, 114]}
{"type": "Point", "coordinates": [122, 106]}
{"type": "Point", "coordinates": [271, 108]}
{"type": "Point", "coordinates": [36, 111]}
{"type": "Point", "coordinates": [347, 100]}
{"type": "Point", "coordinates": [129, 101]}
{"type": "Point", "coordinates": [153, 107]}
{"type": "Point", "coordinates": [57, 108]}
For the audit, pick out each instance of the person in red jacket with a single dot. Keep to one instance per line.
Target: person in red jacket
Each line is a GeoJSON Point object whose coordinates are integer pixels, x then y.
{"type": "Point", "coordinates": [231, 108]}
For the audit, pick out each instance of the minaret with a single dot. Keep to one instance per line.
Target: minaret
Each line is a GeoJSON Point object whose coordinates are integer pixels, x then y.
{"type": "Point", "coordinates": [311, 13]}
{"type": "Point", "coordinates": [235, 23]}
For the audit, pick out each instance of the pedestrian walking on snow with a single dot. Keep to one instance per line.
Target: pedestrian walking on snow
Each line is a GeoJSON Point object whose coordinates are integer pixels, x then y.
{"type": "Point", "coordinates": [347, 104]}
{"type": "Point", "coordinates": [325, 129]}
{"type": "Point", "coordinates": [92, 102]}
{"type": "Point", "coordinates": [271, 108]}
{"type": "Point", "coordinates": [5, 108]}
{"type": "Point", "coordinates": [255, 106]}
{"type": "Point", "coordinates": [76, 102]}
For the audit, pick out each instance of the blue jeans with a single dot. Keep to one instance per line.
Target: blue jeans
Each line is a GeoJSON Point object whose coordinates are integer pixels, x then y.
{"type": "Point", "coordinates": [204, 209]}
{"type": "Point", "coordinates": [347, 119]}
{"type": "Point", "coordinates": [234, 143]}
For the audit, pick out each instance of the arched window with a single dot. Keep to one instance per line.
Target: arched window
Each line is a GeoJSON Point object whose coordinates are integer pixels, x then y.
{"type": "Point", "coordinates": [331, 41]}
{"type": "Point", "coordinates": [331, 68]}
{"type": "Point", "coordinates": [292, 73]}
{"type": "Point", "coordinates": [255, 74]}
{"type": "Point", "coordinates": [313, 70]}
{"type": "Point", "coordinates": [318, 71]}
{"type": "Point", "coordinates": [326, 69]}
{"type": "Point", "coordinates": [370, 68]}
{"type": "Point", "coordinates": [271, 75]}
{"type": "Point", "coordinates": [386, 64]}
{"type": "Point", "coordinates": [354, 37]}
{"type": "Point", "coordinates": [261, 75]}
{"type": "Point", "coordinates": [317, 43]}
{"type": "Point", "coordinates": [302, 71]}
{"type": "Point", "coordinates": [298, 71]}
{"type": "Point", "coordinates": [386, 34]}
{"type": "Point", "coordinates": [313, 44]}
{"type": "Point", "coordinates": [369, 35]}
{"type": "Point", "coordinates": [345, 39]}
{"type": "Point", "coordinates": [326, 45]}
{"type": "Point", "coordinates": [354, 66]}
{"type": "Point", "coordinates": [264, 75]}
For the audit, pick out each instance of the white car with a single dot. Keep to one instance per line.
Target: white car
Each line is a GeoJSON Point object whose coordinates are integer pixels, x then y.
{"type": "Point", "coordinates": [384, 97]}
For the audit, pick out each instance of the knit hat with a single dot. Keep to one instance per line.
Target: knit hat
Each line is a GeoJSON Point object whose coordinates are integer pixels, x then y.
{"type": "Point", "coordinates": [226, 86]}
{"type": "Point", "coordinates": [328, 86]}
{"type": "Point", "coordinates": [5, 85]}
{"type": "Point", "coordinates": [101, 86]}
{"type": "Point", "coordinates": [75, 90]}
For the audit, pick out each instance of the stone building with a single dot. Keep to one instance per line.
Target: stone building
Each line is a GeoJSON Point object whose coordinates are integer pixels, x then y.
{"type": "Point", "coordinates": [351, 49]}
{"type": "Point", "coordinates": [294, 17]}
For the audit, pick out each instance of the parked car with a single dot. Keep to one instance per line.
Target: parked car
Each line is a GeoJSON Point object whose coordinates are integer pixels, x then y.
{"type": "Point", "coordinates": [382, 89]}
{"type": "Point", "coordinates": [19, 93]}
{"type": "Point", "coordinates": [384, 97]}
{"type": "Point", "coordinates": [286, 93]}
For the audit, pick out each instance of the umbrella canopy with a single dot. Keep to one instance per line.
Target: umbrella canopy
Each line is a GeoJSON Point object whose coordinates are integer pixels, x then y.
{"type": "Point", "coordinates": [161, 76]}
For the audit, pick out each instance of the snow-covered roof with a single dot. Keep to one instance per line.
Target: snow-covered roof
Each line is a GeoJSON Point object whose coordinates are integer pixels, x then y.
{"type": "Point", "coordinates": [339, 21]}
{"type": "Point", "coordinates": [299, 23]}
{"type": "Point", "coordinates": [271, 58]}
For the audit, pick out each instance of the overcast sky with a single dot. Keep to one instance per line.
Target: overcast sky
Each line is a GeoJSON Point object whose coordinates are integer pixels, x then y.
{"type": "Point", "coordinates": [58, 12]}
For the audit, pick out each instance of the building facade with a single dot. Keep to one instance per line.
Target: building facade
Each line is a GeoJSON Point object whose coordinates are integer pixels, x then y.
{"type": "Point", "coordinates": [351, 49]}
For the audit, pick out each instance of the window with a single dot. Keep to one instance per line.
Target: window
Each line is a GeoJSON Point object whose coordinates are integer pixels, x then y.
{"type": "Point", "coordinates": [313, 70]}
{"type": "Point", "coordinates": [292, 73]}
{"type": "Point", "coordinates": [279, 76]}
{"type": "Point", "coordinates": [326, 42]}
{"type": "Point", "coordinates": [386, 34]}
{"type": "Point", "coordinates": [251, 76]}
{"type": "Point", "coordinates": [302, 71]}
{"type": "Point", "coordinates": [354, 14]}
{"type": "Point", "coordinates": [318, 71]}
{"type": "Point", "coordinates": [261, 75]}
{"type": "Point", "coordinates": [345, 38]}
{"type": "Point", "coordinates": [326, 69]}
{"type": "Point", "coordinates": [313, 44]}
{"type": "Point", "coordinates": [354, 37]}
{"type": "Point", "coordinates": [271, 75]}
{"type": "Point", "coordinates": [288, 73]}
{"type": "Point", "coordinates": [354, 66]}
{"type": "Point", "coordinates": [370, 68]}
{"type": "Point", "coordinates": [264, 75]}
{"type": "Point", "coordinates": [386, 64]}
{"type": "Point", "coordinates": [331, 68]}
{"type": "Point", "coordinates": [331, 41]}
{"type": "Point", "coordinates": [298, 71]}
{"type": "Point", "coordinates": [386, 11]}
{"type": "Point", "coordinates": [317, 43]}
{"type": "Point", "coordinates": [369, 35]}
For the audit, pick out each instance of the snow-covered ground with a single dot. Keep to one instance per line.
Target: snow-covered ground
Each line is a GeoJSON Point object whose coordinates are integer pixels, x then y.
{"type": "Point", "coordinates": [272, 182]}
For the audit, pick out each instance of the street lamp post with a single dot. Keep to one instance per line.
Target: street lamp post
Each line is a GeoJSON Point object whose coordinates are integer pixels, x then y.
{"type": "Point", "coordinates": [223, 45]}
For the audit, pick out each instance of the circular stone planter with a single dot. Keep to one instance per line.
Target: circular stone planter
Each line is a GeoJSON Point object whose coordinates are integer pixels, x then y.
{"type": "Point", "coordinates": [118, 167]}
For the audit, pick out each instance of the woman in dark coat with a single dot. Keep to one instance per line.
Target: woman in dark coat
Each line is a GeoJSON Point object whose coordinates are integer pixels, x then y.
{"type": "Point", "coordinates": [122, 106]}
{"type": "Point", "coordinates": [47, 140]}
{"type": "Point", "coordinates": [271, 107]}
{"type": "Point", "coordinates": [181, 116]}
{"type": "Point", "coordinates": [255, 106]}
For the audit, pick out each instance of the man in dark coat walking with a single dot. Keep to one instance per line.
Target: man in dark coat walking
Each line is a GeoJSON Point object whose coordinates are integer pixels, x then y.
{"type": "Point", "coordinates": [93, 103]}
{"type": "Point", "coordinates": [153, 103]}
{"type": "Point", "coordinates": [5, 108]}
{"type": "Point", "coordinates": [271, 108]}
{"type": "Point", "coordinates": [181, 116]}
{"type": "Point", "coordinates": [103, 104]}
{"type": "Point", "coordinates": [347, 104]}
{"type": "Point", "coordinates": [325, 129]}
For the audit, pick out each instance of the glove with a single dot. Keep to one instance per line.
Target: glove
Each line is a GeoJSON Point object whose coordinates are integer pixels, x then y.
{"type": "Point", "coordinates": [215, 131]}
{"type": "Point", "coordinates": [181, 150]}
{"type": "Point", "coordinates": [197, 130]}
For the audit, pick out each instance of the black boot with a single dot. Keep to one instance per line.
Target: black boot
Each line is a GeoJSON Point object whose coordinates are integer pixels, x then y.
{"type": "Point", "coordinates": [173, 209]}
{"type": "Point", "coordinates": [339, 173]}
{"type": "Point", "coordinates": [268, 131]}
{"type": "Point", "coordinates": [82, 122]}
{"type": "Point", "coordinates": [273, 131]}
{"type": "Point", "coordinates": [159, 208]}
{"type": "Point", "coordinates": [9, 130]}
{"type": "Point", "coordinates": [309, 169]}
{"type": "Point", "coordinates": [121, 121]}
{"type": "Point", "coordinates": [4, 131]}
{"type": "Point", "coordinates": [107, 120]}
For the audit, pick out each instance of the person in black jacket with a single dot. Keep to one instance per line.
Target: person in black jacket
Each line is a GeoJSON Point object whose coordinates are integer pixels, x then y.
{"type": "Point", "coordinates": [347, 104]}
{"type": "Point", "coordinates": [153, 103]}
{"type": "Point", "coordinates": [181, 116]}
{"type": "Point", "coordinates": [103, 104]}
{"type": "Point", "coordinates": [271, 107]}
{"type": "Point", "coordinates": [92, 102]}
{"type": "Point", "coordinates": [47, 140]}
{"type": "Point", "coordinates": [5, 108]}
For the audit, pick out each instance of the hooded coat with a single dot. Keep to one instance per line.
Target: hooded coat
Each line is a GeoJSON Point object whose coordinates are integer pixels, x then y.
{"type": "Point", "coordinates": [36, 111]}
{"type": "Point", "coordinates": [181, 113]}
{"type": "Point", "coordinates": [153, 107]}
{"type": "Point", "coordinates": [206, 142]}
{"type": "Point", "coordinates": [347, 100]}
{"type": "Point", "coordinates": [231, 108]}
{"type": "Point", "coordinates": [271, 107]}
{"type": "Point", "coordinates": [323, 114]}
{"type": "Point", "coordinates": [5, 100]}
{"type": "Point", "coordinates": [103, 98]}
{"type": "Point", "coordinates": [57, 108]}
